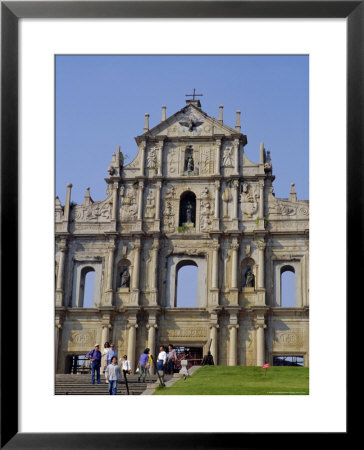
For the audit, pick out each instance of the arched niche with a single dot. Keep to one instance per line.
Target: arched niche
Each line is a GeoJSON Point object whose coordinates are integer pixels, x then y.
{"type": "Point", "coordinates": [248, 273]}
{"type": "Point", "coordinates": [123, 274]}
{"type": "Point", "coordinates": [187, 209]}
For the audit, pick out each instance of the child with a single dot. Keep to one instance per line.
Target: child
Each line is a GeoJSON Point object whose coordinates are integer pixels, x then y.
{"type": "Point", "coordinates": [113, 374]}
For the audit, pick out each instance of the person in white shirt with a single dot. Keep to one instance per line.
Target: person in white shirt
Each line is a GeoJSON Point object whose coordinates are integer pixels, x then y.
{"type": "Point", "coordinates": [161, 362]}
{"type": "Point", "coordinates": [113, 375]}
{"type": "Point", "coordinates": [125, 365]}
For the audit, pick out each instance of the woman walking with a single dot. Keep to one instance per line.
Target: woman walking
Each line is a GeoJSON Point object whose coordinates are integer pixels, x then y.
{"type": "Point", "coordinates": [142, 365]}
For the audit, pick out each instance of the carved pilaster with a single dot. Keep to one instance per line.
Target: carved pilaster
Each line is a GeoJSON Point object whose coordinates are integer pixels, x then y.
{"type": "Point", "coordinates": [62, 245]}
{"type": "Point", "coordinates": [260, 326]}
{"type": "Point", "coordinates": [235, 221]}
{"type": "Point", "coordinates": [217, 151]}
{"type": "Point", "coordinates": [217, 206]}
{"type": "Point", "coordinates": [234, 290]}
{"type": "Point", "coordinates": [136, 270]}
{"type": "Point", "coordinates": [158, 188]}
{"type": "Point", "coordinates": [236, 146]}
{"type": "Point", "coordinates": [132, 326]}
{"type": "Point", "coordinates": [261, 245]}
{"type": "Point", "coordinates": [142, 148]}
{"type": "Point", "coordinates": [153, 276]}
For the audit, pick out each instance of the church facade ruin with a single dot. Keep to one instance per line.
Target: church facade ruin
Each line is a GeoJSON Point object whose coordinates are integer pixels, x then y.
{"type": "Point", "coordinates": [190, 197]}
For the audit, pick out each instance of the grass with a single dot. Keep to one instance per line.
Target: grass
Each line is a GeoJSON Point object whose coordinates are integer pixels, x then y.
{"type": "Point", "coordinates": [241, 380]}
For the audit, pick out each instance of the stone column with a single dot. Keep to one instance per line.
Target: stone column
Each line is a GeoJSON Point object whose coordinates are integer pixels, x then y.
{"type": "Point", "coordinates": [104, 335]}
{"type": "Point", "coordinates": [140, 199]}
{"type": "Point", "coordinates": [142, 147]}
{"type": "Point", "coordinates": [233, 329]}
{"type": "Point", "coordinates": [261, 198]}
{"type": "Point", "coordinates": [158, 187]}
{"type": "Point", "coordinates": [67, 205]}
{"type": "Point", "coordinates": [217, 206]}
{"type": "Point", "coordinates": [135, 275]}
{"type": "Point", "coordinates": [57, 333]}
{"type": "Point", "coordinates": [217, 161]}
{"type": "Point", "coordinates": [260, 325]}
{"type": "Point", "coordinates": [234, 288]}
{"type": "Point", "coordinates": [215, 273]}
{"type": "Point", "coordinates": [235, 221]}
{"type": "Point", "coordinates": [114, 201]}
{"type": "Point", "coordinates": [110, 269]}
{"type": "Point", "coordinates": [215, 265]}
{"type": "Point", "coordinates": [67, 208]}
{"type": "Point", "coordinates": [132, 342]}
{"type": "Point", "coordinates": [261, 247]}
{"type": "Point", "coordinates": [236, 156]}
{"type": "Point", "coordinates": [160, 156]}
{"type": "Point", "coordinates": [153, 276]}
{"type": "Point", "coordinates": [214, 341]}
{"type": "Point", "coordinates": [151, 327]}
{"type": "Point", "coordinates": [60, 275]}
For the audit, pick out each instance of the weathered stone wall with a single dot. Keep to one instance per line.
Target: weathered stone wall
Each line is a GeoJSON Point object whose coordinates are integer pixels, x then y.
{"type": "Point", "coordinates": [240, 231]}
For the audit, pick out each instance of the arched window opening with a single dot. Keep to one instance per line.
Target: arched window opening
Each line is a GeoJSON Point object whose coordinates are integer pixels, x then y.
{"type": "Point", "coordinates": [288, 287]}
{"type": "Point", "coordinates": [187, 209]}
{"type": "Point", "coordinates": [187, 285]}
{"type": "Point", "coordinates": [123, 277]}
{"type": "Point", "coordinates": [87, 288]}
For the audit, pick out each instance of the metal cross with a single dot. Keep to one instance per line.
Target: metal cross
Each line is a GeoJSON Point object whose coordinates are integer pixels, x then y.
{"type": "Point", "coordinates": [194, 94]}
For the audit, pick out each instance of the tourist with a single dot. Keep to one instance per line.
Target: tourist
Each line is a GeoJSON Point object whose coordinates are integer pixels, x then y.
{"type": "Point", "coordinates": [142, 365]}
{"type": "Point", "coordinates": [113, 375]}
{"type": "Point", "coordinates": [149, 364]}
{"type": "Point", "coordinates": [111, 353]}
{"type": "Point", "coordinates": [95, 356]}
{"type": "Point", "coordinates": [171, 359]}
{"type": "Point", "coordinates": [104, 355]}
{"type": "Point", "coordinates": [125, 364]}
{"type": "Point", "coordinates": [161, 362]}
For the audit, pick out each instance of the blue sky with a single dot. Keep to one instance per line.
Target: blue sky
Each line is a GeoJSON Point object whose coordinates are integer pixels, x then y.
{"type": "Point", "coordinates": [101, 101]}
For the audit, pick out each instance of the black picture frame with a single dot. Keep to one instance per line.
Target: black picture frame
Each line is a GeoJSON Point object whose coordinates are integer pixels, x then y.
{"type": "Point", "coordinates": [11, 12]}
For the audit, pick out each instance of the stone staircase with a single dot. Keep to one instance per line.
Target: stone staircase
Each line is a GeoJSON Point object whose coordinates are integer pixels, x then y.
{"type": "Point", "coordinates": [80, 384]}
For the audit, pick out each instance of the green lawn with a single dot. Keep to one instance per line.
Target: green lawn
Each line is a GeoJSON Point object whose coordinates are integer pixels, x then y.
{"type": "Point", "coordinates": [241, 380]}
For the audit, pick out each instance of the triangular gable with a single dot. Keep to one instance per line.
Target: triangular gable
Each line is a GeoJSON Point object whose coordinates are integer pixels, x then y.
{"type": "Point", "coordinates": [189, 121]}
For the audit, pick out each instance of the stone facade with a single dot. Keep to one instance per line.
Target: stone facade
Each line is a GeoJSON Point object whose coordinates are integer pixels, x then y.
{"type": "Point", "coordinates": [191, 196]}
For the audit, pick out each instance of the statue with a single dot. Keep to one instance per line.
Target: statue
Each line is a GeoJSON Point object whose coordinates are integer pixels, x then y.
{"type": "Point", "coordinates": [152, 158]}
{"type": "Point", "coordinates": [189, 164]}
{"type": "Point", "coordinates": [125, 278]}
{"type": "Point", "coordinates": [205, 192]}
{"type": "Point", "coordinates": [189, 212]}
{"type": "Point", "coordinates": [226, 158]}
{"type": "Point", "coordinates": [249, 278]}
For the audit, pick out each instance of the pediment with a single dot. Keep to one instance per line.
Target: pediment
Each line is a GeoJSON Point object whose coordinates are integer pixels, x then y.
{"type": "Point", "coordinates": [189, 122]}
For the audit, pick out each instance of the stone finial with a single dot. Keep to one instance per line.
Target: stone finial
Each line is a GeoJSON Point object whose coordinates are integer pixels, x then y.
{"type": "Point", "coordinates": [146, 122]}
{"type": "Point", "coordinates": [261, 153]}
{"type": "Point", "coordinates": [119, 157]}
{"type": "Point", "coordinates": [164, 109]}
{"type": "Point", "coordinates": [237, 124]}
{"type": "Point", "coordinates": [220, 113]}
{"type": "Point", "coordinates": [292, 194]}
{"type": "Point", "coordinates": [87, 199]}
